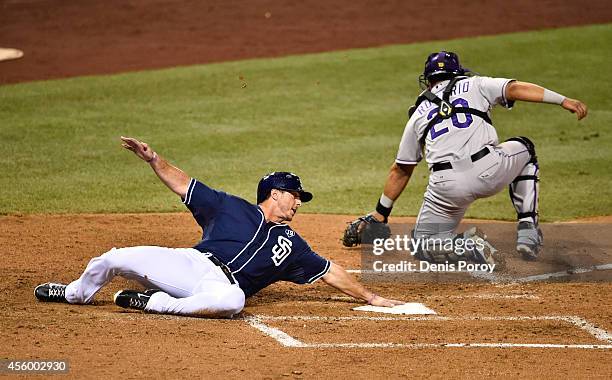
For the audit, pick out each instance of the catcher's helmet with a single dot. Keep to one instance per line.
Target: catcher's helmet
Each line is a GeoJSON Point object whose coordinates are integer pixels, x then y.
{"type": "Point", "coordinates": [442, 63]}
{"type": "Point", "coordinates": [282, 181]}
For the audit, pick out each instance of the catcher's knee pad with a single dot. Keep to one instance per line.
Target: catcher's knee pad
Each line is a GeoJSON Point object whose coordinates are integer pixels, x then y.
{"type": "Point", "coordinates": [529, 145]}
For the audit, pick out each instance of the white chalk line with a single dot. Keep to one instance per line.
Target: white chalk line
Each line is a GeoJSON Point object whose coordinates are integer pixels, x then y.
{"type": "Point", "coordinates": [546, 276]}
{"type": "Point", "coordinates": [280, 336]}
{"type": "Point", "coordinates": [492, 277]}
{"type": "Point", "coordinates": [488, 296]}
{"type": "Point", "coordinates": [286, 340]}
{"type": "Point", "coordinates": [479, 296]}
{"type": "Point", "coordinates": [453, 345]}
{"type": "Point", "coordinates": [365, 271]}
{"type": "Point", "coordinates": [585, 325]}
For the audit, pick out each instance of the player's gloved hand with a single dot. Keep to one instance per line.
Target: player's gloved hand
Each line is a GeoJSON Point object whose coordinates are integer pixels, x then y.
{"type": "Point", "coordinates": [364, 230]}
{"type": "Point", "coordinates": [141, 149]}
{"type": "Point", "coordinates": [381, 301]}
{"type": "Point", "coordinates": [575, 106]}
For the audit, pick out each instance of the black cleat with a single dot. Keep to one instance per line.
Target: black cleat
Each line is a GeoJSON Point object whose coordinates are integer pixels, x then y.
{"type": "Point", "coordinates": [51, 292]}
{"type": "Point", "coordinates": [134, 299]}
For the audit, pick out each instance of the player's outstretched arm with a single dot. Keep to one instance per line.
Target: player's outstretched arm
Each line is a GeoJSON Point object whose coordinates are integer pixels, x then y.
{"type": "Point", "coordinates": [530, 92]}
{"type": "Point", "coordinates": [341, 280]}
{"type": "Point", "coordinates": [171, 176]}
{"type": "Point", "coordinates": [575, 106]}
{"type": "Point", "coordinates": [397, 179]}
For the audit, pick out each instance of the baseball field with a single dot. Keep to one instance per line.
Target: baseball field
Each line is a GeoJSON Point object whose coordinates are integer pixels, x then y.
{"type": "Point", "coordinates": [230, 91]}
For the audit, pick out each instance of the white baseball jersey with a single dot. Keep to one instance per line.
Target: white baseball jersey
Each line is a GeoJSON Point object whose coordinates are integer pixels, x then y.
{"type": "Point", "coordinates": [461, 135]}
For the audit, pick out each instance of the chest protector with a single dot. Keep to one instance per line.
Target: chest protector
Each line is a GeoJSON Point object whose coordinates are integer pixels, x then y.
{"type": "Point", "coordinates": [445, 108]}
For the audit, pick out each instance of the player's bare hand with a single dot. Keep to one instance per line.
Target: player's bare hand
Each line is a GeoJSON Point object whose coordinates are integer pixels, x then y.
{"type": "Point", "coordinates": [141, 149]}
{"type": "Point", "coordinates": [575, 106]}
{"type": "Point", "coordinates": [381, 301]}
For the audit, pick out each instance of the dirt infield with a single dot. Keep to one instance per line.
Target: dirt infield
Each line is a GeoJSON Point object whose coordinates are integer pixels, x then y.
{"type": "Point", "coordinates": [67, 38]}
{"type": "Point", "coordinates": [538, 322]}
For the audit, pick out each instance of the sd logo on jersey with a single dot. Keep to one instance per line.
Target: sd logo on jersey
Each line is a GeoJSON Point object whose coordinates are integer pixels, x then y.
{"type": "Point", "coordinates": [281, 250]}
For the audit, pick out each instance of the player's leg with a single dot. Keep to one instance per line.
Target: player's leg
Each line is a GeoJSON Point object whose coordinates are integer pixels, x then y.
{"type": "Point", "coordinates": [435, 230]}
{"type": "Point", "coordinates": [176, 271]}
{"type": "Point", "coordinates": [524, 191]}
{"type": "Point", "coordinates": [186, 282]}
{"type": "Point", "coordinates": [213, 297]}
{"type": "Point", "coordinates": [437, 217]}
{"type": "Point", "coordinates": [434, 224]}
{"type": "Point", "coordinates": [445, 202]}
{"type": "Point", "coordinates": [519, 170]}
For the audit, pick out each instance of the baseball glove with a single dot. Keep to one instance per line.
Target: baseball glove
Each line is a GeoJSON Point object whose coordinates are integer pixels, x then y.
{"type": "Point", "coordinates": [364, 230]}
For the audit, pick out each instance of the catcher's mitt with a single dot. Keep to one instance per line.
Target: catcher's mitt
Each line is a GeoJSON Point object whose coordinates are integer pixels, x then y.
{"type": "Point", "coordinates": [364, 230]}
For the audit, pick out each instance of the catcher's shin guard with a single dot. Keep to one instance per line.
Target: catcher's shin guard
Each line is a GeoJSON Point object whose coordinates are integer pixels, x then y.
{"type": "Point", "coordinates": [525, 188]}
{"type": "Point", "coordinates": [524, 192]}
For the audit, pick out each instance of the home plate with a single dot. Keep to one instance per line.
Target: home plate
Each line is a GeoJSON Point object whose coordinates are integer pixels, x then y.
{"type": "Point", "coordinates": [407, 308]}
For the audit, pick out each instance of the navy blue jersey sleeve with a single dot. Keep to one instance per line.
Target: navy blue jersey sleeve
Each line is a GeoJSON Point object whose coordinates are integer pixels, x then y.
{"type": "Point", "coordinates": [203, 199]}
{"type": "Point", "coordinates": [307, 268]}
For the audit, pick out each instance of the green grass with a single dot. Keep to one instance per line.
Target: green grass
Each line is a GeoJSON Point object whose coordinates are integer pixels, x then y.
{"type": "Point", "coordinates": [334, 118]}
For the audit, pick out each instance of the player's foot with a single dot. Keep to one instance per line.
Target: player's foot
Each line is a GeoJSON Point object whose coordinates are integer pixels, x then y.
{"type": "Point", "coordinates": [483, 250]}
{"type": "Point", "coordinates": [51, 292]}
{"type": "Point", "coordinates": [529, 240]}
{"type": "Point", "coordinates": [134, 299]}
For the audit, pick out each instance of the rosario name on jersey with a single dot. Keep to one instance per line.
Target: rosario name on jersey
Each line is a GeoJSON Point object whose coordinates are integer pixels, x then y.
{"type": "Point", "coordinates": [461, 135]}
{"type": "Point", "coordinates": [258, 253]}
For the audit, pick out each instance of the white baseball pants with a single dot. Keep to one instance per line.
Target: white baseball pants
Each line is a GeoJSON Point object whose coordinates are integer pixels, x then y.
{"type": "Point", "coordinates": [191, 284]}
{"type": "Point", "coordinates": [450, 192]}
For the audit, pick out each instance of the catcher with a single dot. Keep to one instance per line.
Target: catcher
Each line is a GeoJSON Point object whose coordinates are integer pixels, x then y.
{"type": "Point", "coordinates": [450, 125]}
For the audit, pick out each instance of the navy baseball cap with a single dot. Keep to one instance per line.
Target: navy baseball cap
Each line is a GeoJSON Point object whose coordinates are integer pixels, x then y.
{"type": "Point", "coordinates": [282, 181]}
